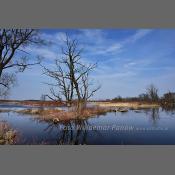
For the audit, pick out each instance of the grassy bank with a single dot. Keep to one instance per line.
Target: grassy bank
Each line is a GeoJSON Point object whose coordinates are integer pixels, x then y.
{"type": "Point", "coordinates": [134, 105]}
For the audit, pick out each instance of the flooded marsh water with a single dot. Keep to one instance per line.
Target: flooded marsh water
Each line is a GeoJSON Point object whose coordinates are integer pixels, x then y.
{"type": "Point", "coordinates": [135, 127]}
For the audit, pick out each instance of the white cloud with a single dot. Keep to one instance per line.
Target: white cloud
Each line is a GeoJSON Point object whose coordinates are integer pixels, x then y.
{"type": "Point", "coordinates": [130, 64]}
{"type": "Point", "coordinates": [46, 53]}
{"type": "Point", "coordinates": [93, 35]}
{"type": "Point", "coordinates": [140, 34]}
{"type": "Point", "coordinates": [115, 75]}
{"type": "Point", "coordinates": [95, 41]}
{"type": "Point", "coordinates": [60, 36]}
{"type": "Point", "coordinates": [137, 36]}
{"type": "Point", "coordinates": [106, 46]}
{"type": "Point", "coordinates": [114, 48]}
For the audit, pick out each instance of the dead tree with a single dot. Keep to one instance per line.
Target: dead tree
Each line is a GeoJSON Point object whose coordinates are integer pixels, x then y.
{"type": "Point", "coordinates": [7, 80]}
{"type": "Point", "coordinates": [152, 93]}
{"type": "Point", "coordinates": [87, 90]}
{"type": "Point", "coordinates": [72, 75]}
{"type": "Point", "coordinates": [13, 41]}
{"type": "Point", "coordinates": [78, 71]}
{"type": "Point", "coordinates": [12, 50]}
{"type": "Point", "coordinates": [63, 83]}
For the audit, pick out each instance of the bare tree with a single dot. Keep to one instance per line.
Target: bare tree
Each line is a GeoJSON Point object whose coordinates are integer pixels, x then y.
{"type": "Point", "coordinates": [63, 83]}
{"type": "Point", "coordinates": [13, 41]}
{"type": "Point", "coordinates": [143, 97]}
{"type": "Point", "coordinates": [7, 81]}
{"type": "Point", "coordinates": [71, 75]}
{"type": "Point", "coordinates": [86, 89]}
{"type": "Point", "coordinates": [152, 93]}
{"type": "Point", "coordinates": [168, 99]}
{"type": "Point", "coordinates": [78, 72]}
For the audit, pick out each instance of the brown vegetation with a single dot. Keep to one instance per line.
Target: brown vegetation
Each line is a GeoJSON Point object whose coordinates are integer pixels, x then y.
{"type": "Point", "coordinates": [36, 103]}
{"type": "Point", "coordinates": [56, 115]}
{"type": "Point", "coordinates": [134, 105]}
{"type": "Point", "coordinates": [7, 135]}
{"type": "Point", "coordinates": [42, 103]}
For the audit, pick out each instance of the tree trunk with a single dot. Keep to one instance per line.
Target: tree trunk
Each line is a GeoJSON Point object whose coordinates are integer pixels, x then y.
{"type": "Point", "coordinates": [1, 69]}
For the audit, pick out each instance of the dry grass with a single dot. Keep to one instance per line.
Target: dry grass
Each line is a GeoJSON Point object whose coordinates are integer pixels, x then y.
{"type": "Point", "coordinates": [41, 103]}
{"type": "Point", "coordinates": [34, 103]}
{"type": "Point", "coordinates": [134, 105]}
{"type": "Point", "coordinates": [7, 135]}
{"type": "Point", "coordinates": [5, 110]}
{"type": "Point", "coordinates": [56, 115]}
{"type": "Point", "coordinates": [96, 110]}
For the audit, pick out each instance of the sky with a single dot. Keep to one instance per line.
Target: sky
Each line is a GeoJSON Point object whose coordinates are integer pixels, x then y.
{"type": "Point", "coordinates": [128, 61]}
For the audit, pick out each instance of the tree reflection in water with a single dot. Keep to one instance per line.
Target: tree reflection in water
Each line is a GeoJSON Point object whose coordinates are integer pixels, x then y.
{"type": "Point", "coordinates": [71, 132]}
{"type": "Point", "coordinates": [153, 114]}
{"type": "Point", "coordinates": [170, 110]}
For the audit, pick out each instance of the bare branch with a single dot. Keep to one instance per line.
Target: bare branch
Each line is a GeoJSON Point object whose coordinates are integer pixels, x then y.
{"type": "Point", "coordinates": [12, 41]}
{"type": "Point", "coordinates": [7, 80]}
{"type": "Point", "coordinates": [71, 75]}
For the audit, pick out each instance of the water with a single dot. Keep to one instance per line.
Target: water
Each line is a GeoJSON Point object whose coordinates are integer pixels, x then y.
{"type": "Point", "coordinates": [15, 107]}
{"type": "Point", "coordinates": [151, 126]}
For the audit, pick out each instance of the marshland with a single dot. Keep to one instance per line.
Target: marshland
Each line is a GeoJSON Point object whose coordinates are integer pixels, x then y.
{"type": "Point", "coordinates": [64, 101]}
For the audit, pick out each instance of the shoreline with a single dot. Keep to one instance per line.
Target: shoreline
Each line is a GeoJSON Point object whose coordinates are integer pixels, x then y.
{"type": "Point", "coordinates": [98, 108]}
{"type": "Point", "coordinates": [135, 105]}
{"type": "Point", "coordinates": [33, 103]}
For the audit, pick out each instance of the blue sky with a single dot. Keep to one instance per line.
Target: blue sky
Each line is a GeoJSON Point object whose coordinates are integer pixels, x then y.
{"type": "Point", "coordinates": [128, 61]}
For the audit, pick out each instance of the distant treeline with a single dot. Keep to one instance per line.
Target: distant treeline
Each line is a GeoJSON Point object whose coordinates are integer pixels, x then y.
{"type": "Point", "coordinates": [167, 97]}
{"type": "Point", "coordinates": [150, 96]}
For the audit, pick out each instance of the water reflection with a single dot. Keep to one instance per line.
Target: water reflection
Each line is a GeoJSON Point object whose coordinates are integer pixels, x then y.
{"type": "Point", "coordinates": [153, 115]}
{"type": "Point", "coordinates": [76, 132]}
{"type": "Point", "coordinates": [170, 110]}
{"type": "Point", "coordinates": [70, 132]}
